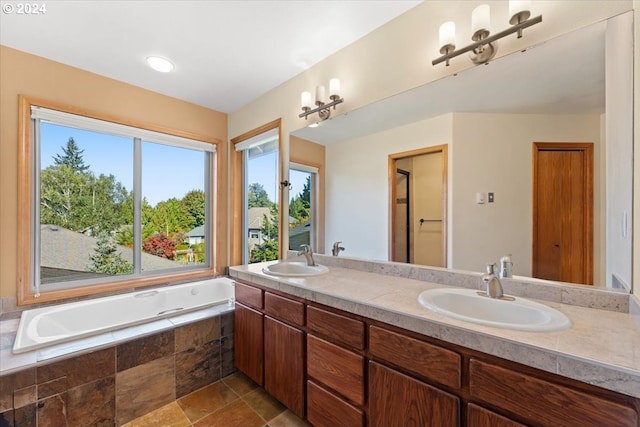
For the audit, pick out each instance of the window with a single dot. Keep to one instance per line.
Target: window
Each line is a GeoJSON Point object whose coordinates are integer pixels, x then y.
{"type": "Point", "coordinates": [303, 206]}
{"type": "Point", "coordinates": [260, 195]}
{"type": "Point", "coordinates": [111, 205]}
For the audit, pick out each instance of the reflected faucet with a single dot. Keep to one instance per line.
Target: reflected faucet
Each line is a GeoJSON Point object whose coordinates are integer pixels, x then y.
{"type": "Point", "coordinates": [506, 267]}
{"type": "Point", "coordinates": [493, 287]}
{"type": "Point", "coordinates": [308, 254]}
{"type": "Point", "coordinates": [336, 249]}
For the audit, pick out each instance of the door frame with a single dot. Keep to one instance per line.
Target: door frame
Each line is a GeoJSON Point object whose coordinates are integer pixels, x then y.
{"type": "Point", "coordinates": [393, 158]}
{"type": "Point", "coordinates": [587, 148]}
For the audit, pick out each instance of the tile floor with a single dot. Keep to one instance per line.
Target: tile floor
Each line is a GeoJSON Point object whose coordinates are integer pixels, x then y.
{"type": "Point", "coordinates": [234, 401]}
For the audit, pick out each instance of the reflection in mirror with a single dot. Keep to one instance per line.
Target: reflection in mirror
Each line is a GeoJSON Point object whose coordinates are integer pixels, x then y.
{"type": "Point", "coordinates": [490, 117]}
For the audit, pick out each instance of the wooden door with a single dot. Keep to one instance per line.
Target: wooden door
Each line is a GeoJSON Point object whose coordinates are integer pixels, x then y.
{"type": "Point", "coordinates": [398, 400]}
{"type": "Point", "coordinates": [563, 212]}
{"type": "Point", "coordinates": [284, 364]}
{"type": "Point", "coordinates": [248, 343]}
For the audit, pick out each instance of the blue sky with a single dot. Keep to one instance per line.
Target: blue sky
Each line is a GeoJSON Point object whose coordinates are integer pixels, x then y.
{"type": "Point", "coordinates": [263, 169]}
{"type": "Point", "coordinates": [166, 171]}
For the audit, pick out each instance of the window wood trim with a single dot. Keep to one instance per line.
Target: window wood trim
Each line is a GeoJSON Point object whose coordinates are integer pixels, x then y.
{"type": "Point", "coordinates": [236, 186]}
{"type": "Point", "coordinates": [25, 294]}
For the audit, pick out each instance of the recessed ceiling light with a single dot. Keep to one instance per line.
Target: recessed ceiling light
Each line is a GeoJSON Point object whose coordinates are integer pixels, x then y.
{"type": "Point", "coordinates": [314, 125]}
{"type": "Point", "coordinates": [160, 64]}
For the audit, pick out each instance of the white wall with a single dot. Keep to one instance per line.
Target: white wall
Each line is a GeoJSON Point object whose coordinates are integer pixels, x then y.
{"type": "Point", "coordinates": [487, 153]}
{"type": "Point", "coordinates": [636, 139]}
{"type": "Point", "coordinates": [493, 153]}
{"type": "Point", "coordinates": [619, 134]}
{"type": "Point", "coordinates": [357, 204]}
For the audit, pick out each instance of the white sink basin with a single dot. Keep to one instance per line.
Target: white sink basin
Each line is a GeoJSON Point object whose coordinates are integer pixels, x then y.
{"type": "Point", "coordinates": [519, 313]}
{"type": "Point", "coordinates": [294, 269]}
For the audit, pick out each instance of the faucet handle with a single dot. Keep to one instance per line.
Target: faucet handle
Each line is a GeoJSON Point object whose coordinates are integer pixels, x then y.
{"type": "Point", "coordinates": [491, 268]}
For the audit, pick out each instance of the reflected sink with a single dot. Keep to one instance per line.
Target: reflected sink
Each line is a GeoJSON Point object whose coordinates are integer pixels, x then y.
{"type": "Point", "coordinates": [512, 313]}
{"type": "Point", "coordinates": [294, 269]}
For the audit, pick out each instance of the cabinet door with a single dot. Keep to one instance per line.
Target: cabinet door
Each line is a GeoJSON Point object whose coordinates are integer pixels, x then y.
{"type": "Point", "coordinates": [284, 364]}
{"type": "Point", "coordinates": [248, 342]}
{"type": "Point", "coordinates": [398, 400]}
{"type": "Point", "coordinates": [478, 416]}
{"type": "Point", "coordinates": [324, 409]}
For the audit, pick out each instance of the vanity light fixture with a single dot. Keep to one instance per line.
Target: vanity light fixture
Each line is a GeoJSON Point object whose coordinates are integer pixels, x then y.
{"type": "Point", "coordinates": [484, 47]}
{"type": "Point", "coordinates": [160, 64]}
{"type": "Point", "coordinates": [323, 109]}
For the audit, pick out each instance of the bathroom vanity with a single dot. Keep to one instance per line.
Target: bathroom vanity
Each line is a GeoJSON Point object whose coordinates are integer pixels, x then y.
{"type": "Point", "coordinates": [355, 348]}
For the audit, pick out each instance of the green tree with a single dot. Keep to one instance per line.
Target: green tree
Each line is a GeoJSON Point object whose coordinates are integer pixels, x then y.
{"type": "Point", "coordinates": [258, 197]}
{"type": "Point", "coordinates": [106, 259]}
{"type": "Point", "coordinates": [62, 197]}
{"type": "Point", "coordinates": [169, 217]}
{"type": "Point", "coordinates": [268, 250]}
{"type": "Point", "coordinates": [300, 206]}
{"type": "Point", "coordinates": [306, 193]}
{"type": "Point", "coordinates": [72, 157]}
{"type": "Point", "coordinates": [194, 203]}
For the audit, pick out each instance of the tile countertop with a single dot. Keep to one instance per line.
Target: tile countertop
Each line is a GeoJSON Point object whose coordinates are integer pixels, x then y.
{"type": "Point", "coordinates": [601, 348]}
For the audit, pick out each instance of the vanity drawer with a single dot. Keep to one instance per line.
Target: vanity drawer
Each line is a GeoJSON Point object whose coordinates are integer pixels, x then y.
{"type": "Point", "coordinates": [284, 309]}
{"type": "Point", "coordinates": [324, 409]}
{"type": "Point", "coordinates": [335, 327]}
{"type": "Point", "coordinates": [544, 401]}
{"type": "Point", "coordinates": [337, 368]}
{"type": "Point", "coordinates": [415, 356]}
{"type": "Point", "coordinates": [249, 295]}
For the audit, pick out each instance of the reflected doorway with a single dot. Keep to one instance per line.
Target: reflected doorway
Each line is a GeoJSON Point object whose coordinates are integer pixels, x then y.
{"type": "Point", "coordinates": [563, 212]}
{"type": "Point", "coordinates": [418, 206]}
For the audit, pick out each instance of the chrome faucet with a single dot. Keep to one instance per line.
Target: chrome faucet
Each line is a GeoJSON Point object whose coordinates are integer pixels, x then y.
{"type": "Point", "coordinates": [336, 249]}
{"type": "Point", "coordinates": [493, 287]}
{"type": "Point", "coordinates": [308, 254]}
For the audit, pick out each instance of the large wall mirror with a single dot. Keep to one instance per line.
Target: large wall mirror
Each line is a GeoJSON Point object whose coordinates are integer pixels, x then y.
{"type": "Point", "coordinates": [576, 88]}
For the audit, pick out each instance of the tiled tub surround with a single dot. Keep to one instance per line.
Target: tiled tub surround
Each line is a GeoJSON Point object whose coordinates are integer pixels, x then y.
{"type": "Point", "coordinates": [117, 381]}
{"type": "Point", "coordinates": [601, 348]}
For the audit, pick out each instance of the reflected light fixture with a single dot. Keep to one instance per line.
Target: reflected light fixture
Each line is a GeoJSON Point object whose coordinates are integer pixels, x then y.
{"type": "Point", "coordinates": [160, 64]}
{"type": "Point", "coordinates": [322, 108]}
{"type": "Point", "coordinates": [484, 47]}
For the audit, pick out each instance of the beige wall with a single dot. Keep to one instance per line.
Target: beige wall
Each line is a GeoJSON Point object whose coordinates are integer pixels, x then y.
{"type": "Point", "coordinates": [636, 139]}
{"type": "Point", "coordinates": [427, 204]}
{"type": "Point", "coordinates": [493, 153]}
{"type": "Point", "coordinates": [25, 74]}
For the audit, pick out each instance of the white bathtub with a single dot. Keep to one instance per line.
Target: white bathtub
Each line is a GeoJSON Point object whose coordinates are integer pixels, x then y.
{"type": "Point", "coordinates": [46, 326]}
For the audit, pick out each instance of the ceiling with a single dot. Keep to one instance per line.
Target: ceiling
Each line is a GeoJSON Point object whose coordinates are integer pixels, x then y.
{"type": "Point", "coordinates": [226, 53]}
{"type": "Point", "coordinates": [554, 77]}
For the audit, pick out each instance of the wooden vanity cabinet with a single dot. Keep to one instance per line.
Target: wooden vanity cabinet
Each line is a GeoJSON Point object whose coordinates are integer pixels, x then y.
{"type": "Point", "coordinates": [248, 331]}
{"type": "Point", "coordinates": [398, 400]}
{"type": "Point", "coordinates": [543, 401]}
{"type": "Point", "coordinates": [335, 369]}
{"type": "Point", "coordinates": [477, 416]}
{"type": "Point", "coordinates": [270, 344]}
{"type": "Point", "coordinates": [284, 350]}
{"type": "Point", "coordinates": [341, 370]}
{"type": "Point", "coordinates": [248, 342]}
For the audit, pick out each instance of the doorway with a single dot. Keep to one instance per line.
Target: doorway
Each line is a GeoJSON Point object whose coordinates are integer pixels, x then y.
{"type": "Point", "coordinates": [563, 212]}
{"type": "Point", "coordinates": [418, 206]}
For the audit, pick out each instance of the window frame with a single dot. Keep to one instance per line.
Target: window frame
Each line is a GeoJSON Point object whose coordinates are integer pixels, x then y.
{"type": "Point", "coordinates": [314, 170]}
{"type": "Point", "coordinates": [237, 197]}
{"type": "Point", "coordinates": [26, 291]}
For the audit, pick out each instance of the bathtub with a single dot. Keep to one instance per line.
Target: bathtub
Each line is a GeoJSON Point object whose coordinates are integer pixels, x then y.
{"type": "Point", "coordinates": [46, 326]}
